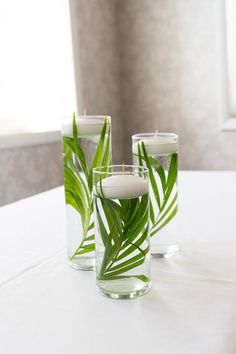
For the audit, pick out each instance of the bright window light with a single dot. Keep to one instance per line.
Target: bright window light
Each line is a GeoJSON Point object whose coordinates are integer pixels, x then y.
{"type": "Point", "coordinates": [37, 85]}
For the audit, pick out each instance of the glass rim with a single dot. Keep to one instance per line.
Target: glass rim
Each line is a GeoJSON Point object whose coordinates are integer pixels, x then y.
{"type": "Point", "coordinates": [99, 170]}
{"type": "Point", "coordinates": [167, 135]}
{"type": "Point", "coordinates": [84, 117]}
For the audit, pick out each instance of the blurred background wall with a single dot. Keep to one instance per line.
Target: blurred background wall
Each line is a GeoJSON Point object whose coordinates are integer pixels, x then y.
{"type": "Point", "coordinates": [29, 170]}
{"type": "Point", "coordinates": [173, 76]}
{"type": "Point", "coordinates": [97, 64]}
{"type": "Point", "coordinates": [157, 64]}
{"type": "Point", "coordinates": [153, 64]}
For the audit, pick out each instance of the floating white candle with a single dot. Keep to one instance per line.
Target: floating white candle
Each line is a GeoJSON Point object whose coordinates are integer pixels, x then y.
{"type": "Point", "coordinates": [123, 186]}
{"type": "Point", "coordinates": [157, 145]}
{"type": "Point", "coordinates": [85, 126]}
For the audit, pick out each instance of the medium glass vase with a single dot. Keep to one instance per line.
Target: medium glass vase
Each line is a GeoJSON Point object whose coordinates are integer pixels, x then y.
{"type": "Point", "coordinates": [121, 208]}
{"type": "Point", "coordinates": [159, 153]}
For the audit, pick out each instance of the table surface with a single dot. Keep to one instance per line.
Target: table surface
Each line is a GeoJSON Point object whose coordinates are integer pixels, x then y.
{"type": "Point", "coordinates": [48, 308]}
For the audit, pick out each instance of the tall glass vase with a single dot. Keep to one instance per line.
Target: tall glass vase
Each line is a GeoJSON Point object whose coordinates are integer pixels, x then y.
{"type": "Point", "coordinates": [86, 144]}
{"type": "Point", "coordinates": [159, 153]}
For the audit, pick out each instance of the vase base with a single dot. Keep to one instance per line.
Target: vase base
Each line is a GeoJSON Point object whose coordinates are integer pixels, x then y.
{"type": "Point", "coordinates": [163, 251]}
{"type": "Point", "coordinates": [85, 263]}
{"type": "Point", "coordinates": [120, 289]}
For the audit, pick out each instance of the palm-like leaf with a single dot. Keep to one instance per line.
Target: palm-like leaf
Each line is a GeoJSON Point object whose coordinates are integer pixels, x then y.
{"type": "Point", "coordinates": [78, 185]}
{"type": "Point", "coordinates": [125, 235]}
{"type": "Point", "coordinates": [163, 185]}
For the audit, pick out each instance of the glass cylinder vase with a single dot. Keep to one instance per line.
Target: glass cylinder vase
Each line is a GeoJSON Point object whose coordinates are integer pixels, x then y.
{"type": "Point", "coordinates": [121, 209]}
{"type": "Point", "coordinates": [86, 144]}
{"type": "Point", "coordinates": [159, 153]}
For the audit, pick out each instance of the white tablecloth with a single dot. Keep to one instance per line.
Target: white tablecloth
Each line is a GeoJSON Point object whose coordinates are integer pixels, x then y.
{"type": "Point", "coordinates": [48, 308]}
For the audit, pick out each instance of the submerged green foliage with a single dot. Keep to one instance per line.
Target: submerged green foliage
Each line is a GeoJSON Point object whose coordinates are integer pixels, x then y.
{"type": "Point", "coordinates": [124, 229]}
{"type": "Point", "coordinates": [78, 184]}
{"type": "Point", "coordinates": [165, 199]}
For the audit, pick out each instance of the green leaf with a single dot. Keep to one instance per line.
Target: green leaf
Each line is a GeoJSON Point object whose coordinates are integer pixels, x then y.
{"type": "Point", "coordinates": [131, 260]}
{"type": "Point", "coordinates": [106, 161]}
{"type": "Point", "coordinates": [74, 190]}
{"type": "Point", "coordinates": [140, 158]}
{"type": "Point", "coordinates": [133, 246]}
{"type": "Point", "coordinates": [78, 150]}
{"type": "Point", "coordinates": [113, 212]}
{"type": "Point", "coordinates": [89, 238]}
{"type": "Point", "coordinates": [171, 179]}
{"type": "Point", "coordinates": [125, 269]}
{"type": "Point", "coordinates": [162, 215]}
{"type": "Point", "coordinates": [152, 213]}
{"type": "Point", "coordinates": [119, 243]}
{"type": "Point", "coordinates": [78, 185]}
{"type": "Point", "coordinates": [69, 163]}
{"type": "Point", "coordinates": [138, 220]}
{"type": "Point", "coordinates": [102, 229]}
{"type": "Point", "coordinates": [71, 201]}
{"type": "Point", "coordinates": [129, 210]}
{"type": "Point", "coordinates": [143, 278]}
{"type": "Point", "coordinates": [165, 189]}
{"type": "Point", "coordinates": [106, 257]}
{"type": "Point", "coordinates": [151, 175]}
{"type": "Point", "coordinates": [170, 217]}
{"type": "Point", "coordinates": [156, 165]}
{"type": "Point", "coordinates": [91, 226]}
{"type": "Point", "coordinates": [90, 247]}
{"type": "Point", "coordinates": [83, 251]}
{"type": "Point", "coordinates": [97, 160]}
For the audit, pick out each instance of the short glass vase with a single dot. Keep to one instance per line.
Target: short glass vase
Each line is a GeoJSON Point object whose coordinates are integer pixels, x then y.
{"type": "Point", "coordinates": [121, 216]}
{"type": "Point", "coordinates": [86, 144]}
{"type": "Point", "coordinates": [159, 153]}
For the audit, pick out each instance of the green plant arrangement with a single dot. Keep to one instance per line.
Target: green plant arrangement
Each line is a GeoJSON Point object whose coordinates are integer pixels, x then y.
{"type": "Point", "coordinates": [163, 204]}
{"type": "Point", "coordinates": [125, 238]}
{"type": "Point", "coordinates": [78, 180]}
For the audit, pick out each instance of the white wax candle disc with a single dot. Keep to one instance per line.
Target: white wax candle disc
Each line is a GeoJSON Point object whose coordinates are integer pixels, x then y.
{"type": "Point", "coordinates": [85, 126]}
{"type": "Point", "coordinates": [157, 146]}
{"type": "Point", "coordinates": [123, 187]}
